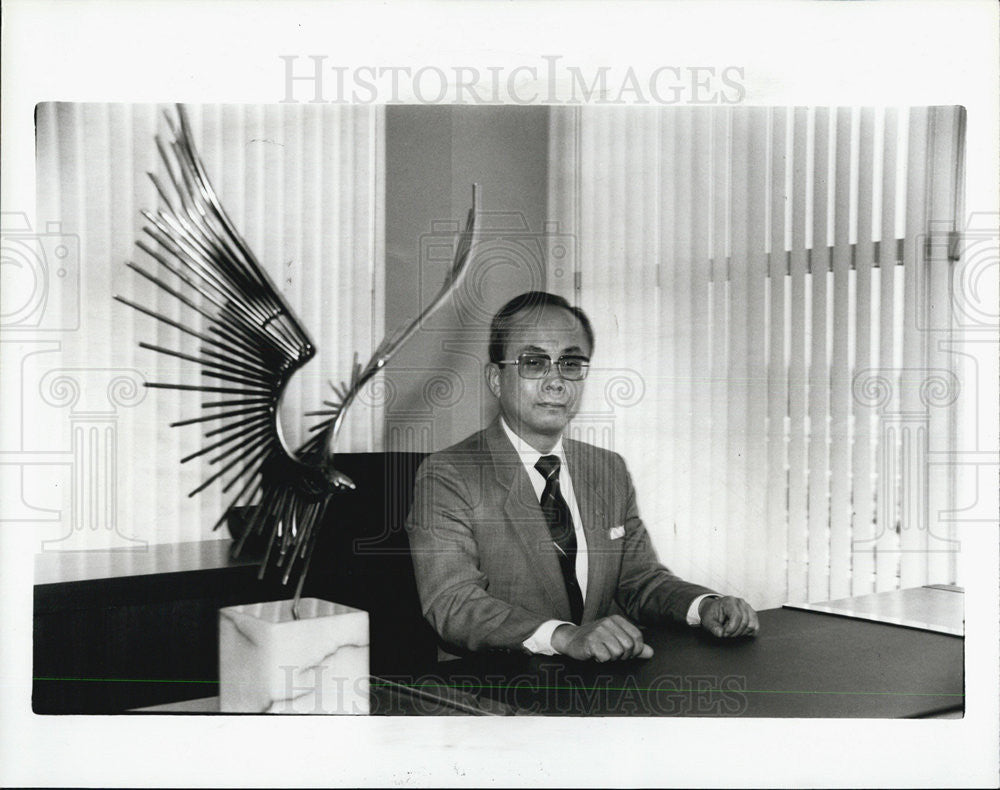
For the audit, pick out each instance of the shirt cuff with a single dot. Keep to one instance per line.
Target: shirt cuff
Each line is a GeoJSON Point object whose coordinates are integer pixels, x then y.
{"type": "Point", "coordinates": [541, 641]}
{"type": "Point", "coordinates": [693, 618]}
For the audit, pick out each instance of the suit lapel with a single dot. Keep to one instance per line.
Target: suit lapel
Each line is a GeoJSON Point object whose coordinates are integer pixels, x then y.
{"type": "Point", "coordinates": [587, 486]}
{"type": "Point", "coordinates": [524, 514]}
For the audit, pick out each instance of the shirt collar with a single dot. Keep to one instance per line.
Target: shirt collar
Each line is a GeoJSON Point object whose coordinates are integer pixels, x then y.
{"type": "Point", "coordinates": [529, 455]}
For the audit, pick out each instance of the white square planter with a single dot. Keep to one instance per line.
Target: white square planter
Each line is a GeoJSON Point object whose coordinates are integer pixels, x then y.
{"type": "Point", "coordinates": [272, 663]}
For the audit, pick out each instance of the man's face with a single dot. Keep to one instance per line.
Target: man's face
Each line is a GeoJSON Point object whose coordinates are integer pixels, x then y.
{"type": "Point", "coordinates": [538, 409]}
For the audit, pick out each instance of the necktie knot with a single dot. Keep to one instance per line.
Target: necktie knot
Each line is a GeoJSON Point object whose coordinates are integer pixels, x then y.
{"type": "Point", "coordinates": [548, 465]}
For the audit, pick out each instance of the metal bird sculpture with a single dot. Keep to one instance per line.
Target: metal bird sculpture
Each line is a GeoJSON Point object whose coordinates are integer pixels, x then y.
{"type": "Point", "coordinates": [251, 345]}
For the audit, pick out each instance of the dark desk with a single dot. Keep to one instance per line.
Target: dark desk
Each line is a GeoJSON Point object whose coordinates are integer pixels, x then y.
{"type": "Point", "coordinates": [803, 664]}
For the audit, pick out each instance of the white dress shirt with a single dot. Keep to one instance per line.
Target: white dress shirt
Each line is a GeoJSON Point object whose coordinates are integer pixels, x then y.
{"type": "Point", "coordinates": [541, 640]}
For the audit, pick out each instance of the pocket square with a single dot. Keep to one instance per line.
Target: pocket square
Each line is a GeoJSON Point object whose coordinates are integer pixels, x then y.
{"type": "Point", "coordinates": [616, 532]}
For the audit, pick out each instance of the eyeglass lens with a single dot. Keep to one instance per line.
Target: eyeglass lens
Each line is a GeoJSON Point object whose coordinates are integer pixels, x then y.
{"type": "Point", "coordinates": [534, 366]}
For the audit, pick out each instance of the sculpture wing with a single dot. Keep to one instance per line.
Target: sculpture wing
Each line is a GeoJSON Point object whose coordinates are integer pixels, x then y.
{"type": "Point", "coordinates": [250, 343]}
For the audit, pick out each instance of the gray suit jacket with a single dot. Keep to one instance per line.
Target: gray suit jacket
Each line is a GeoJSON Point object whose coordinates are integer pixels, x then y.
{"type": "Point", "coordinates": [486, 568]}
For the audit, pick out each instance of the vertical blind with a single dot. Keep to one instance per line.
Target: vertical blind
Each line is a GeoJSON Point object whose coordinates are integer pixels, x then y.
{"type": "Point", "coordinates": [304, 186]}
{"type": "Point", "coordinates": [769, 287]}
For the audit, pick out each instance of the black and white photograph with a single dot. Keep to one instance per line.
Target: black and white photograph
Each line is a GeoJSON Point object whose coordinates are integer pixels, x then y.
{"type": "Point", "coordinates": [423, 412]}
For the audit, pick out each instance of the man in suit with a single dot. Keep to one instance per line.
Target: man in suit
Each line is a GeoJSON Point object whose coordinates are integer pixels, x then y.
{"type": "Point", "coordinates": [522, 539]}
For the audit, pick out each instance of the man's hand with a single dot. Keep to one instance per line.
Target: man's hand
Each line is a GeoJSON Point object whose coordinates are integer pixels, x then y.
{"type": "Point", "coordinates": [728, 616]}
{"type": "Point", "coordinates": [608, 639]}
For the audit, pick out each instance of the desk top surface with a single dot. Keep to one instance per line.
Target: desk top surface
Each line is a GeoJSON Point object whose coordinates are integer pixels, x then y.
{"type": "Point", "coordinates": [802, 664]}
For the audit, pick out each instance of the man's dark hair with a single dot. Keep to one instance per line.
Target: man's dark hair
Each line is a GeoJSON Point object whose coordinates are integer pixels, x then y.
{"type": "Point", "coordinates": [533, 302]}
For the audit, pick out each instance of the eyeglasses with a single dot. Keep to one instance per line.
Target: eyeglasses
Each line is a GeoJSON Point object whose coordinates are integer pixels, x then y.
{"type": "Point", "coordinates": [537, 366]}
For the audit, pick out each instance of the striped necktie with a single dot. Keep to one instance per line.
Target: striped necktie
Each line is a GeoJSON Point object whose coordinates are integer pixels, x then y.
{"type": "Point", "coordinates": [561, 528]}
